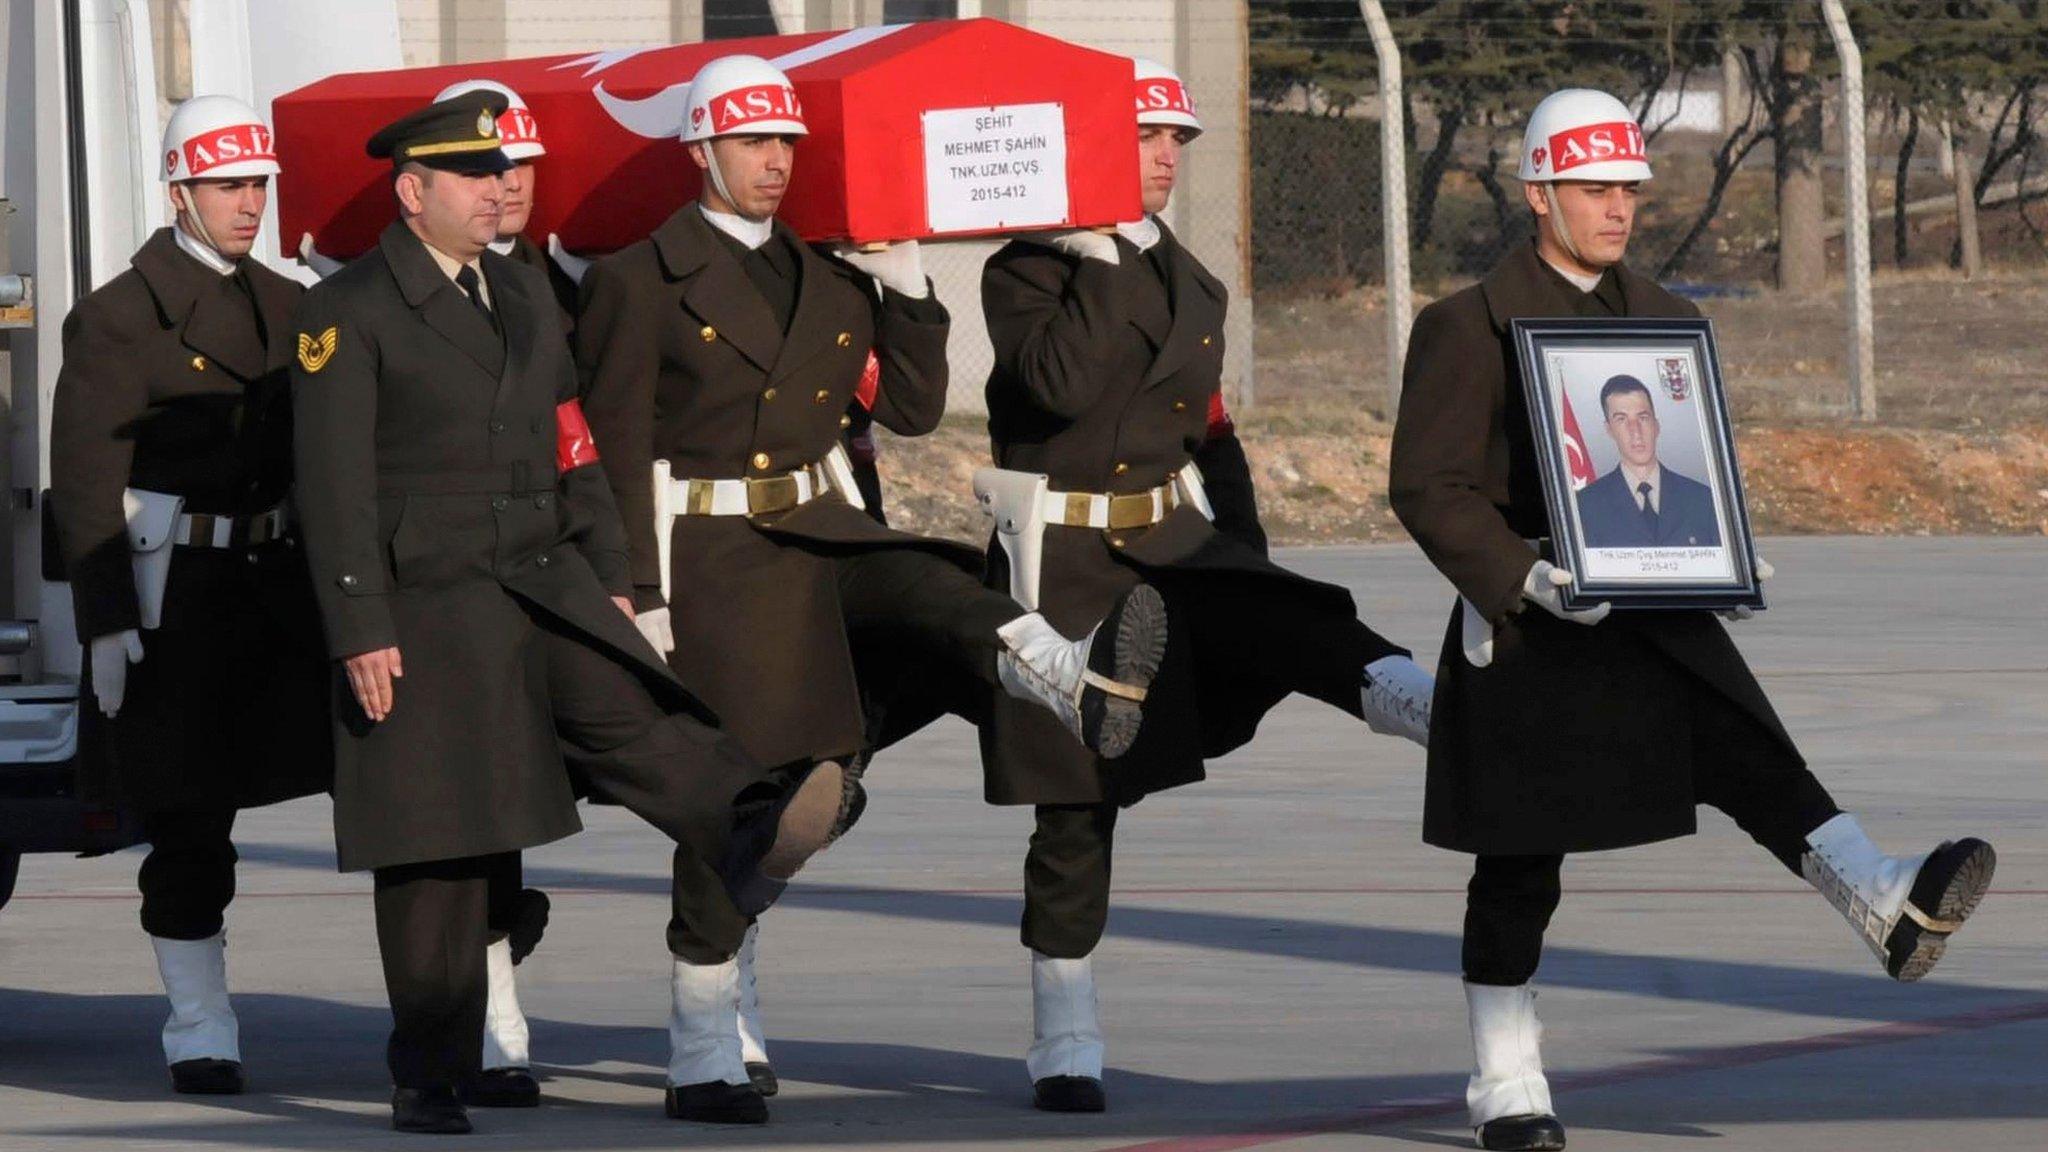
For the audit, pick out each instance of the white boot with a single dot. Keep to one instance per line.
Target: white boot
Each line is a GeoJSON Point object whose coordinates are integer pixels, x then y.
{"type": "Point", "coordinates": [1095, 685]}
{"type": "Point", "coordinates": [1066, 1036]}
{"type": "Point", "coordinates": [202, 1023]}
{"type": "Point", "coordinates": [504, 1023]}
{"type": "Point", "coordinates": [1874, 891]}
{"type": "Point", "coordinates": [704, 1025]}
{"type": "Point", "coordinates": [1507, 1079]}
{"type": "Point", "coordinates": [1397, 695]}
{"type": "Point", "coordinates": [753, 1041]}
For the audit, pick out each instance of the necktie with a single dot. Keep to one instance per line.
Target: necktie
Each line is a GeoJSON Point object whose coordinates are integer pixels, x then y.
{"type": "Point", "coordinates": [1649, 510]}
{"type": "Point", "coordinates": [467, 280]}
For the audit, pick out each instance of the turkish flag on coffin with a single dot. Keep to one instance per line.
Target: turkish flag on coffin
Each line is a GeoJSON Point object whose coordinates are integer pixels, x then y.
{"type": "Point", "coordinates": [940, 128]}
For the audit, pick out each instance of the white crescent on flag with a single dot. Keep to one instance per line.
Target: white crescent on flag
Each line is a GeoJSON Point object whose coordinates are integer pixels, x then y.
{"type": "Point", "coordinates": [660, 116]}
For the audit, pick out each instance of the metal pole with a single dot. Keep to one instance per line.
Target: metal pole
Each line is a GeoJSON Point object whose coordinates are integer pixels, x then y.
{"type": "Point", "coordinates": [1856, 214]}
{"type": "Point", "coordinates": [1393, 196]}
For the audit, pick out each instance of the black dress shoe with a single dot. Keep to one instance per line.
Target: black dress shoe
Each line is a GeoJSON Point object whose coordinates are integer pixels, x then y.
{"type": "Point", "coordinates": [1522, 1134]}
{"type": "Point", "coordinates": [716, 1102]}
{"type": "Point", "coordinates": [763, 1078]}
{"type": "Point", "coordinates": [502, 1088]}
{"type": "Point", "coordinates": [433, 1110]}
{"type": "Point", "coordinates": [207, 1077]}
{"type": "Point", "coordinates": [1947, 890]}
{"type": "Point", "coordinates": [1068, 1094]}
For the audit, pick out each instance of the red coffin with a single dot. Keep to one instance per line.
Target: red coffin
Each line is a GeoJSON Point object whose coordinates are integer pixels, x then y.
{"type": "Point", "coordinates": [615, 170]}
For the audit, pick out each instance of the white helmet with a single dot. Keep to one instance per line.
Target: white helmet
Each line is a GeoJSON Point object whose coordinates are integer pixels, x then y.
{"type": "Point", "coordinates": [1162, 98]}
{"type": "Point", "coordinates": [518, 131]}
{"type": "Point", "coordinates": [741, 95]}
{"type": "Point", "coordinates": [217, 138]}
{"type": "Point", "coordinates": [1581, 134]}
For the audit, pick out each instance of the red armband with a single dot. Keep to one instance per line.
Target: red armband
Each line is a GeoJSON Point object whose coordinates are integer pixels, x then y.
{"type": "Point", "coordinates": [870, 385]}
{"type": "Point", "coordinates": [574, 445]}
{"type": "Point", "coordinates": [1220, 423]}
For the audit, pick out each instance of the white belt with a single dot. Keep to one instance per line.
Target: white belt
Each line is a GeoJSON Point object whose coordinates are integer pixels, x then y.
{"type": "Point", "coordinates": [202, 530]}
{"type": "Point", "coordinates": [764, 495]}
{"type": "Point", "coordinates": [1104, 510]}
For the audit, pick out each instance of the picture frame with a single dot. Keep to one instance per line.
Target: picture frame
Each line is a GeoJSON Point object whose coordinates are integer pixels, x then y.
{"type": "Point", "coordinates": [1629, 420]}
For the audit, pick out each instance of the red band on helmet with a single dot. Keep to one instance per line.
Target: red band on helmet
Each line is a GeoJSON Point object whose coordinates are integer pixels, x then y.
{"type": "Point", "coordinates": [1220, 423]}
{"type": "Point", "coordinates": [234, 144]}
{"type": "Point", "coordinates": [743, 106]}
{"type": "Point", "coordinates": [870, 385]}
{"type": "Point", "coordinates": [1161, 94]}
{"type": "Point", "coordinates": [518, 126]}
{"type": "Point", "coordinates": [1593, 144]}
{"type": "Point", "coordinates": [574, 445]}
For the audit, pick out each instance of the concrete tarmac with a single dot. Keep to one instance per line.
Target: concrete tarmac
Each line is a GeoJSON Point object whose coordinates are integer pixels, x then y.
{"type": "Point", "coordinates": [1281, 968]}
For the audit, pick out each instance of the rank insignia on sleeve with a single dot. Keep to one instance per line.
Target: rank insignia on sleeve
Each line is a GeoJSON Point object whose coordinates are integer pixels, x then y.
{"type": "Point", "coordinates": [315, 351]}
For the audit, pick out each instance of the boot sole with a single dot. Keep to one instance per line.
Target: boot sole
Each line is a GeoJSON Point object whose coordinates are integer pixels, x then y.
{"type": "Point", "coordinates": [1137, 627]}
{"type": "Point", "coordinates": [1912, 951]}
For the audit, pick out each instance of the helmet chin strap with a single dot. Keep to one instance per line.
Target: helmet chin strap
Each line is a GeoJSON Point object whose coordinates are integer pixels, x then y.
{"type": "Point", "coordinates": [189, 219]}
{"type": "Point", "coordinates": [1557, 225]}
{"type": "Point", "coordinates": [718, 180]}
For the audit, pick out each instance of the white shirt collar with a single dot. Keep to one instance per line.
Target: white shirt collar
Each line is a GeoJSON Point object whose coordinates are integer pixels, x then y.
{"type": "Point", "coordinates": [1654, 478]}
{"type": "Point", "coordinates": [1142, 233]}
{"type": "Point", "coordinates": [503, 247]}
{"type": "Point", "coordinates": [1582, 283]}
{"type": "Point", "coordinates": [202, 252]}
{"type": "Point", "coordinates": [752, 233]}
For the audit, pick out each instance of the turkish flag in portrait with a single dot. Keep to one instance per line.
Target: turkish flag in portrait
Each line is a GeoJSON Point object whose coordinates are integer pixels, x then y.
{"type": "Point", "coordinates": [1577, 460]}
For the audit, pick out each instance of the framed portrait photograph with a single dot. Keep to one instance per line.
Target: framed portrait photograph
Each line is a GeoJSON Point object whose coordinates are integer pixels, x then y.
{"type": "Point", "coordinates": [1638, 462]}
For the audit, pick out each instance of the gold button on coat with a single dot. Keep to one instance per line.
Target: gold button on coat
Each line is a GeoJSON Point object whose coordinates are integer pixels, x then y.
{"type": "Point", "coordinates": [761, 460]}
{"type": "Point", "coordinates": [846, 339]}
{"type": "Point", "coordinates": [199, 363]}
{"type": "Point", "coordinates": [1180, 405]}
{"type": "Point", "coordinates": [1122, 468]}
{"type": "Point", "coordinates": [823, 395]}
{"type": "Point", "coordinates": [768, 395]}
{"type": "Point", "coordinates": [846, 421]}
{"type": "Point", "coordinates": [708, 333]}
{"type": "Point", "coordinates": [1207, 340]}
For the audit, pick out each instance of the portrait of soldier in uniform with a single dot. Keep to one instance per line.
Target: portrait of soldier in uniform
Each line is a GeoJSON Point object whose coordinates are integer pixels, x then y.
{"type": "Point", "coordinates": [1642, 502]}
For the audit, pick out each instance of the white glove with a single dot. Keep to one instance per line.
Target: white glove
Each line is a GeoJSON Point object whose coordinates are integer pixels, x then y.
{"type": "Point", "coordinates": [654, 625]}
{"type": "Point", "coordinates": [322, 266]}
{"type": "Point", "coordinates": [1544, 587]}
{"type": "Point", "coordinates": [1079, 243]}
{"type": "Point", "coordinates": [1743, 612]}
{"type": "Point", "coordinates": [111, 656]}
{"type": "Point", "coordinates": [566, 260]}
{"type": "Point", "coordinates": [898, 266]}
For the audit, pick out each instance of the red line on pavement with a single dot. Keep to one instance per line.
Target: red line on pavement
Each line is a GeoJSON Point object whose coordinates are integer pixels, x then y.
{"type": "Point", "coordinates": [834, 891]}
{"type": "Point", "coordinates": [1738, 1056]}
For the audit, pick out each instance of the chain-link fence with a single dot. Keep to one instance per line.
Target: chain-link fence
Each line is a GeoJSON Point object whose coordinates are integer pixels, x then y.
{"type": "Point", "coordinates": [1740, 101]}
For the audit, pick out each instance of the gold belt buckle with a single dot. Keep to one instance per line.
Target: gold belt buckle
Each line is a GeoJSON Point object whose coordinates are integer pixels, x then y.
{"type": "Point", "coordinates": [1133, 511]}
{"type": "Point", "coordinates": [697, 496]}
{"type": "Point", "coordinates": [771, 494]}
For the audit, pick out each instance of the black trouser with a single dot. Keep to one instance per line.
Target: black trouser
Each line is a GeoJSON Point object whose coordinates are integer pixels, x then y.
{"type": "Point", "coordinates": [1737, 768]}
{"type": "Point", "coordinates": [1242, 630]}
{"type": "Point", "coordinates": [924, 601]}
{"type": "Point", "coordinates": [1258, 631]}
{"type": "Point", "coordinates": [433, 917]}
{"type": "Point", "coordinates": [430, 934]}
{"type": "Point", "coordinates": [1066, 879]}
{"type": "Point", "coordinates": [188, 878]}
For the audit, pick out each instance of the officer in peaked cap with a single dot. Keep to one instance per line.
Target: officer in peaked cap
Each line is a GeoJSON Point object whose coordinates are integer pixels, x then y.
{"type": "Point", "coordinates": [472, 577]}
